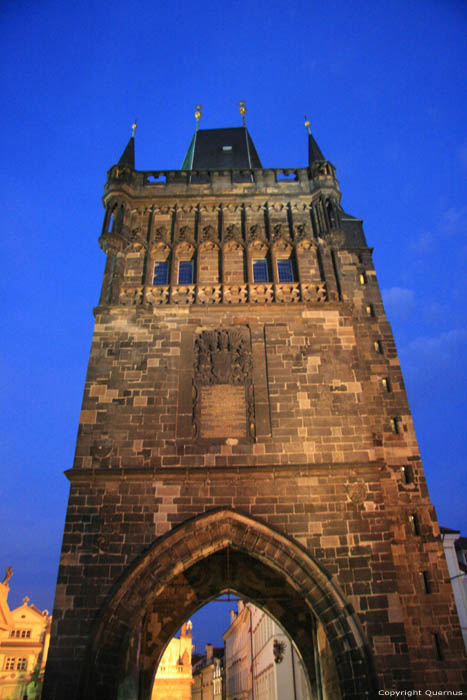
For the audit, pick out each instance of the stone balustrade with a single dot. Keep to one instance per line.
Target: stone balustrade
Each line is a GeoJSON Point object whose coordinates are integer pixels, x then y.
{"type": "Point", "coordinates": [185, 294]}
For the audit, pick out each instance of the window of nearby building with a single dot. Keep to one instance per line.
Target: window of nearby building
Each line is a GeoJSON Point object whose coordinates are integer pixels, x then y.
{"type": "Point", "coordinates": [10, 663]}
{"type": "Point", "coordinates": [185, 272]}
{"type": "Point", "coordinates": [161, 272]}
{"type": "Point", "coordinates": [21, 664]}
{"type": "Point", "coordinates": [285, 271]}
{"type": "Point", "coordinates": [260, 270]}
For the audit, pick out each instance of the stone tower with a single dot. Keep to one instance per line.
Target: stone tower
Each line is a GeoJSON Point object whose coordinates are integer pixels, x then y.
{"type": "Point", "coordinates": [245, 428]}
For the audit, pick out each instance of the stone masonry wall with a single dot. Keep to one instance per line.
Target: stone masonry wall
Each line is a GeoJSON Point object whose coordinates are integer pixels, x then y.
{"type": "Point", "coordinates": [325, 469]}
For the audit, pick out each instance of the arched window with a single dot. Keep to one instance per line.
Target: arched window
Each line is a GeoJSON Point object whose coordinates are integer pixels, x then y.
{"type": "Point", "coordinates": [160, 272]}
{"type": "Point", "coordinates": [285, 270]}
{"type": "Point", "coordinates": [260, 270]}
{"type": "Point", "coordinates": [183, 267]}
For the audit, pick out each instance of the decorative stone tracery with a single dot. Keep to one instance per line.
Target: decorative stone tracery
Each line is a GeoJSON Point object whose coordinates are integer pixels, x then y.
{"type": "Point", "coordinates": [222, 362]}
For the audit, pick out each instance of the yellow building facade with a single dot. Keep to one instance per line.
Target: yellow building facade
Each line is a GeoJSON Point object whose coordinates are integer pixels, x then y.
{"type": "Point", "coordinates": [24, 643]}
{"type": "Point", "coordinates": [174, 678]}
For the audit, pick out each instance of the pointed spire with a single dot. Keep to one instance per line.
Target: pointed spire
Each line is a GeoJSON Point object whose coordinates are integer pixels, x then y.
{"type": "Point", "coordinates": [128, 156]}
{"type": "Point", "coordinates": [314, 151]}
{"type": "Point", "coordinates": [242, 109]}
{"type": "Point", "coordinates": [190, 154]}
{"type": "Point", "coordinates": [198, 115]}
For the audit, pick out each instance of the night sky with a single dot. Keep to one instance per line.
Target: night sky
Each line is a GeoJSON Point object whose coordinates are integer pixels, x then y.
{"type": "Point", "coordinates": [383, 84]}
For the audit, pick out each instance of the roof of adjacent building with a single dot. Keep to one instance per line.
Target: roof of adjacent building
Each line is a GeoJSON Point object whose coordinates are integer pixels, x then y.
{"type": "Point", "coordinates": [227, 149]}
{"type": "Point", "coordinates": [448, 531]}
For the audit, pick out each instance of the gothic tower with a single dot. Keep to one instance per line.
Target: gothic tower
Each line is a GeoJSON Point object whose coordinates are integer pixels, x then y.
{"type": "Point", "coordinates": [245, 428]}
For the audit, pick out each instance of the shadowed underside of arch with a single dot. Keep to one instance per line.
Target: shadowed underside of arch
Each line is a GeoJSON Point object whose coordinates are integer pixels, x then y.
{"type": "Point", "coordinates": [202, 558]}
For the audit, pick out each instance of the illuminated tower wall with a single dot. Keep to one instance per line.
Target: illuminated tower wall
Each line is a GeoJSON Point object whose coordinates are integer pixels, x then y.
{"type": "Point", "coordinates": [245, 427]}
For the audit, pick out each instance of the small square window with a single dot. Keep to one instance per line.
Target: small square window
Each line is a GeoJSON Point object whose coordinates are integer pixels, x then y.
{"type": "Point", "coordinates": [185, 272]}
{"type": "Point", "coordinates": [284, 270]}
{"type": "Point", "coordinates": [161, 273]}
{"type": "Point", "coordinates": [260, 271]}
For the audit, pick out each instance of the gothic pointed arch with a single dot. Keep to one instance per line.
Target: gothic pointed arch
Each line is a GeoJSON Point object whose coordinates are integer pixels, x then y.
{"type": "Point", "coordinates": [195, 562]}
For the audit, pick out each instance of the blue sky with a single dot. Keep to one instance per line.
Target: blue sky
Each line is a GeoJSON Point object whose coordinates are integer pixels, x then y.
{"type": "Point", "coordinates": [382, 84]}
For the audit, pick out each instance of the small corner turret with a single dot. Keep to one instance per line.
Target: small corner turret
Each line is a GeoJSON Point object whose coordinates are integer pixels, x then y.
{"type": "Point", "coordinates": [127, 159]}
{"type": "Point", "coordinates": [314, 151]}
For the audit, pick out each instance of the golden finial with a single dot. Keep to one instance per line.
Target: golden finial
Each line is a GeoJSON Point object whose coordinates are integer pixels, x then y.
{"type": "Point", "coordinates": [198, 115]}
{"type": "Point", "coordinates": [134, 126]}
{"type": "Point", "coordinates": [242, 108]}
{"type": "Point", "coordinates": [307, 124]}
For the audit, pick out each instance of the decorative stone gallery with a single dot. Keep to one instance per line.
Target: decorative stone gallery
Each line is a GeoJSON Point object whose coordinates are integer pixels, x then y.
{"type": "Point", "coordinates": [245, 428]}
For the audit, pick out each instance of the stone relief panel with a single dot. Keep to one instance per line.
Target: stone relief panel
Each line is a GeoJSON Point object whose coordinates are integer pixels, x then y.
{"type": "Point", "coordinates": [223, 389]}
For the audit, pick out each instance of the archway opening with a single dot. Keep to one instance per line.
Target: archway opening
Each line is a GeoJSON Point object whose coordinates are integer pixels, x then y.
{"type": "Point", "coordinates": [271, 602]}
{"type": "Point", "coordinates": [240, 651]}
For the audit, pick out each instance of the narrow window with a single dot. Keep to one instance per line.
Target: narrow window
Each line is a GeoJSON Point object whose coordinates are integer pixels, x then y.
{"type": "Point", "coordinates": [28, 633]}
{"type": "Point", "coordinates": [185, 272]}
{"type": "Point", "coordinates": [386, 384]}
{"type": "Point", "coordinates": [394, 423]}
{"type": "Point", "coordinates": [369, 310]}
{"type": "Point", "coordinates": [437, 642]}
{"type": "Point", "coordinates": [424, 582]}
{"type": "Point", "coordinates": [161, 273]}
{"type": "Point", "coordinates": [362, 278]}
{"type": "Point", "coordinates": [21, 665]}
{"type": "Point", "coordinates": [9, 663]}
{"type": "Point", "coordinates": [406, 474]}
{"type": "Point", "coordinates": [378, 347]}
{"type": "Point", "coordinates": [413, 524]}
{"type": "Point", "coordinates": [260, 271]}
{"type": "Point", "coordinates": [284, 271]}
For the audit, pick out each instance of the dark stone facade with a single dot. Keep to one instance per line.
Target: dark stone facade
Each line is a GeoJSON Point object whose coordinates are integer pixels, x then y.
{"type": "Point", "coordinates": [246, 436]}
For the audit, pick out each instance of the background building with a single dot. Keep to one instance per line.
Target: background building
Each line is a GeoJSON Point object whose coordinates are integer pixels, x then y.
{"type": "Point", "coordinates": [208, 675]}
{"type": "Point", "coordinates": [261, 663]}
{"type": "Point", "coordinates": [455, 549]}
{"type": "Point", "coordinates": [173, 678]}
{"type": "Point", "coordinates": [24, 643]}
